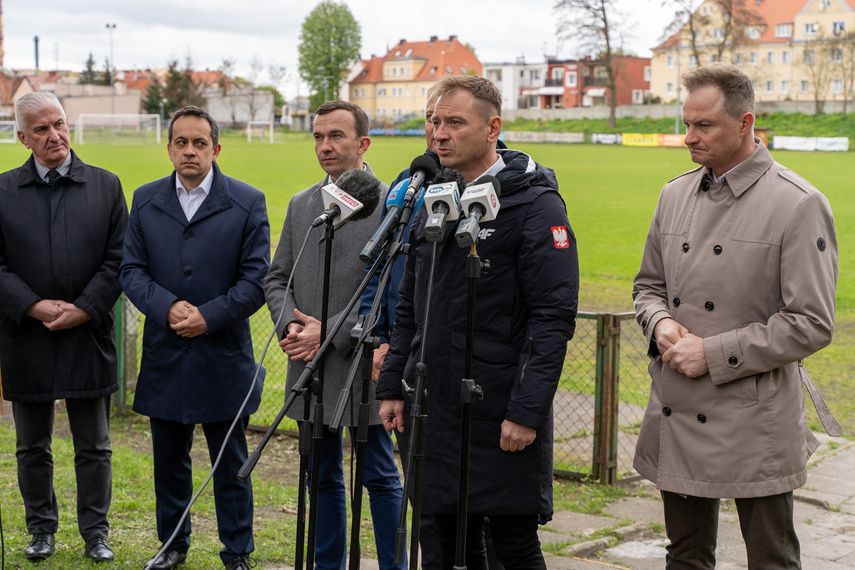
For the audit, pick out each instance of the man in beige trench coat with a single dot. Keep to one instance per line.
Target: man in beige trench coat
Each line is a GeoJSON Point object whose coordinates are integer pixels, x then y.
{"type": "Point", "coordinates": [736, 287]}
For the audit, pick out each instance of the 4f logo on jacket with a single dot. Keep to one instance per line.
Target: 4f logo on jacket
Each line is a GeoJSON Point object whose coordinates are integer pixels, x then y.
{"type": "Point", "coordinates": [559, 234]}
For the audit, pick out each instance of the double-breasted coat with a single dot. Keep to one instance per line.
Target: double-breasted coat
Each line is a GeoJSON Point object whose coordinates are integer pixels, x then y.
{"type": "Point", "coordinates": [61, 243]}
{"type": "Point", "coordinates": [306, 293]}
{"type": "Point", "coordinates": [750, 266]}
{"type": "Point", "coordinates": [217, 261]}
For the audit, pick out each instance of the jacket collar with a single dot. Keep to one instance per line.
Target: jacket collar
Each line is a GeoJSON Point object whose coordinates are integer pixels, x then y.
{"type": "Point", "coordinates": [218, 199]}
{"type": "Point", "coordinates": [743, 177]}
{"type": "Point", "coordinates": [28, 174]}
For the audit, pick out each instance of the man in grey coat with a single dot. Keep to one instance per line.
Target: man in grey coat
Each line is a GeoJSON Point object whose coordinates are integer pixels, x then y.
{"type": "Point", "coordinates": [341, 139]}
{"type": "Point", "coordinates": [61, 229]}
{"type": "Point", "coordinates": [736, 287]}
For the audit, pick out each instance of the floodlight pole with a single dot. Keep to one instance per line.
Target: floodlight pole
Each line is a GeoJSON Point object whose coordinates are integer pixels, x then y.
{"type": "Point", "coordinates": [111, 70]}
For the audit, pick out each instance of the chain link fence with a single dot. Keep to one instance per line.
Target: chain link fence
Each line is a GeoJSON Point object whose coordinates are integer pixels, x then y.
{"type": "Point", "coordinates": [598, 406]}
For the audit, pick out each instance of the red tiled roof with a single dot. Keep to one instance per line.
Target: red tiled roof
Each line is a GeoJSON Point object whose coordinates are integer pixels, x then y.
{"type": "Point", "coordinates": [8, 86]}
{"type": "Point", "coordinates": [441, 57]}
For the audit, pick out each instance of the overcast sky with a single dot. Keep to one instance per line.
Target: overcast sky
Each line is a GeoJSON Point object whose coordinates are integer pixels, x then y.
{"type": "Point", "coordinates": [148, 34]}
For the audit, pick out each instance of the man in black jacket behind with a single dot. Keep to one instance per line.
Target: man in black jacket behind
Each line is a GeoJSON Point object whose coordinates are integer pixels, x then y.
{"type": "Point", "coordinates": [525, 314]}
{"type": "Point", "coordinates": [61, 229]}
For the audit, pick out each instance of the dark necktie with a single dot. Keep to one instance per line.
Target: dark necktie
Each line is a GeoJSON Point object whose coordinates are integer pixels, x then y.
{"type": "Point", "coordinates": [53, 176]}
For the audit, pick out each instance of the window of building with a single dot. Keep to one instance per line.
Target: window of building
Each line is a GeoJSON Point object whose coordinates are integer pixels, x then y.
{"type": "Point", "coordinates": [717, 33]}
{"type": "Point", "coordinates": [712, 58]}
{"type": "Point", "coordinates": [637, 96]}
{"type": "Point", "coordinates": [811, 28]}
{"type": "Point", "coordinates": [448, 69]}
{"type": "Point", "coordinates": [837, 86]}
{"type": "Point", "coordinates": [424, 93]}
{"type": "Point", "coordinates": [839, 28]}
{"type": "Point", "coordinates": [753, 33]}
{"type": "Point", "coordinates": [433, 70]}
{"type": "Point", "coordinates": [693, 61]}
{"type": "Point", "coordinates": [770, 86]}
{"type": "Point", "coordinates": [669, 88]}
{"type": "Point", "coordinates": [738, 58]}
{"type": "Point", "coordinates": [785, 86]}
{"type": "Point", "coordinates": [783, 31]}
{"type": "Point", "coordinates": [601, 73]}
{"type": "Point", "coordinates": [836, 55]}
{"type": "Point", "coordinates": [785, 57]}
{"type": "Point", "coordinates": [463, 70]}
{"type": "Point", "coordinates": [770, 58]}
{"type": "Point", "coordinates": [647, 73]}
{"type": "Point", "coordinates": [669, 61]}
{"type": "Point", "coordinates": [535, 74]}
{"type": "Point", "coordinates": [752, 58]}
{"type": "Point", "coordinates": [808, 56]}
{"type": "Point", "coordinates": [805, 86]}
{"type": "Point", "coordinates": [570, 79]}
{"type": "Point", "coordinates": [355, 93]}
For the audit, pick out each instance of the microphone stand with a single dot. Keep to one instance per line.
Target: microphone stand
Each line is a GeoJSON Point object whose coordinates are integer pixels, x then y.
{"type": "Point", "coordinates": [469, 392]}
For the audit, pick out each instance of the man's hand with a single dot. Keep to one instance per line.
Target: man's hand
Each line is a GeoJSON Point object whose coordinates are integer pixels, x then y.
{"type": "Point", "coordinates": [193, 325]}
{"type": "Point", "coordinates": [667, 333]}
{"type": "Point", "coordinates": [392, 415]}
{"type": "Point", "coordinates": [515, 437]}
{"type": "Point", "coordinates": [687, 357]}
{"type": "Point", "coordinates": [379, 357]}
{"type": "Point", "coordinates": [302, 341]}
{"type": "Point", "coordinates": [71, 316]}
{"type": "Point", "coordinates": [46, 310]}
{"type": "Point", "coordinates": [178, 311]}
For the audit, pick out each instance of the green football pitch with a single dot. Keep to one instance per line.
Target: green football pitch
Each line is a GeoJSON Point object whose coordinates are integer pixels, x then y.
{"type": "Point", "coordinates": [610, 193]}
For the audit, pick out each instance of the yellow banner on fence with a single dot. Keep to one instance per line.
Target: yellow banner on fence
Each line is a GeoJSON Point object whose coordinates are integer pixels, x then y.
{"type": "Point", "coordinates": [672, 140]}
{"type": "Point", "coordinates": [638, 139]}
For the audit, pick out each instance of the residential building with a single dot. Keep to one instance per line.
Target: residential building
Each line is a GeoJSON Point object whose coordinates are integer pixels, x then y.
{"type": "Point", "coordinates": [523, 85]}
{"type": "Point", "coordinates": [584, 83]}
{"type": "Point", "coordinates": [11, 89]}
{"type": "Point", "coordinates": [791, 48]}
{"type": "Point", "coordinates": [395, 85]}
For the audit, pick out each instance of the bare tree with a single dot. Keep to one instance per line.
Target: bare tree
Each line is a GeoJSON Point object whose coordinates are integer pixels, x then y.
{"type": "Point", "coordinates": [593, 23]}
{"type": "Point", "coordinates": [816, 60]}
{"type": "Point", "coordinates": [846, 65]}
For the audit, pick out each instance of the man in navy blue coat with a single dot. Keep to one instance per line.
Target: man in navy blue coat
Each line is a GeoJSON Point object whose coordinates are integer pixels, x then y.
{"type": "Point", "coordinates": [197, 251]}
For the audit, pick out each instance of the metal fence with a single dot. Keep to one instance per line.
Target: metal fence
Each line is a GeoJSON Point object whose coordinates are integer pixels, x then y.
{"type": "Point", "coordinates": [598, 407]}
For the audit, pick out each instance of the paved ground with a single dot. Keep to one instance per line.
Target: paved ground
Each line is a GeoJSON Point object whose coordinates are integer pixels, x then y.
{"type": "Point", "coordinates": [631, 534]}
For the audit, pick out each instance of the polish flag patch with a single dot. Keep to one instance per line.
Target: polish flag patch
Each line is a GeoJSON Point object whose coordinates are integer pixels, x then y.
{"type": "Point", "coordinates": [559, 234]}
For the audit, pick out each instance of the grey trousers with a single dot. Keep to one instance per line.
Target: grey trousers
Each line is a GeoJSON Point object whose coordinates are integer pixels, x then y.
{"type": "Point", "coordinates": [691, 524]}
{"type": "Point", "coordinates": [89, 420]}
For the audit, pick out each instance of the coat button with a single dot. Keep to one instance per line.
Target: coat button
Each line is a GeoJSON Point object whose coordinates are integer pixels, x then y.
{"type": "Point", "coordinates": [676, 301]}
{"type": "Point", "coordinates": [666, 411]}
{"type": "Point", "coordinates": [705, 185]}
{"type": "Point", "coordinates": [187, 235]}
{"type": "Point", "coordinates": [709, 306]}
{"type": "Point", "coordinates": [733, 361]}
{"type": "Point", "coordinates": [685, 247]}
{"type": "Point", "coordinates": [644, 324]}
{"type": "Point", "coordinates": [186, 273]}
{"type": "Point", "coordinates": [820, 244]}
{"type": "Point", "coordinates": [717, 250]}
{"type": "Point", "coordinates": [186, 348]}
{"type": "Point", "coordinates": [702, 418]}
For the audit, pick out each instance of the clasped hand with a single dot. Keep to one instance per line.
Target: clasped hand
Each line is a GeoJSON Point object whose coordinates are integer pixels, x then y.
{"type": "Point", "coordinates": [58, 315]}
{"type": "Point", "coordinates": [680, 349]}
{"type": "Point", "coordinates": [186, 320]}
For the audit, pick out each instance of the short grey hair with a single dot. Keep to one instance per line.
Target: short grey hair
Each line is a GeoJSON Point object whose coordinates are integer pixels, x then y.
{"type": "Point", "coordinates": [32, 103]}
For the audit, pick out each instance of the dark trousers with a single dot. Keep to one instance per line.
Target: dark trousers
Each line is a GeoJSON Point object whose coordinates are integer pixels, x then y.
{"type": "Point", "coordinates": [89, 420]}
{"type": "Point", "coordinates": [766, 523]}
{"type": "Point", "coordinates": [173, 484]}
{"type": "Point", "coordinates": [514, 538]}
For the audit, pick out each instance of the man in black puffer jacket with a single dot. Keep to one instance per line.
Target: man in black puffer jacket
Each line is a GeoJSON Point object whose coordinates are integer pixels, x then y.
{"type": "Point", "coordinates": [525, 314]}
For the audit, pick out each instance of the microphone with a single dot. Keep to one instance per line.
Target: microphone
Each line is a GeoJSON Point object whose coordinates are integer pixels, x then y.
{"type": "Point", "coordinates": [355, 196]}
{"type": "Point", "coordinates": [442, 199]}
{"type": "Point", "coordinates": [399, 201]}
{"type": "Point", "coordinates": [480, 201]}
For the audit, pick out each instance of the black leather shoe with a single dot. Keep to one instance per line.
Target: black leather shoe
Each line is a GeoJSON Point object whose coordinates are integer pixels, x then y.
{"type": "Point", "coordinates": [169, 559]}
{"type": "Point", "coordinates": [41, 547]}
{"type": "Point", "coordinates": [98, 550]}
{"type": "Point", "coordinates": [239, 563]}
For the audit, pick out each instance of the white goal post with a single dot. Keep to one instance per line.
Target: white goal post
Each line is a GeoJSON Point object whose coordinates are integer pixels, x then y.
{"type": "Point", "coordinates": [8, 132]}
{"type": "Point", "coordinates": [251, 124]}
{"type": "Point", "coordinates": [137, 125]}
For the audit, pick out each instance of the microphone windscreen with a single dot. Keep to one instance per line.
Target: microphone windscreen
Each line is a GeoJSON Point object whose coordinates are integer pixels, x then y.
{"type": "Point", "coordinates": [490, 179]}
{"type": "Point", "coordinates": [363, 186]}
{"type": "Point", "coordinates": [424, 163]}
{"type": "Point", "coordinates": [449, 175]}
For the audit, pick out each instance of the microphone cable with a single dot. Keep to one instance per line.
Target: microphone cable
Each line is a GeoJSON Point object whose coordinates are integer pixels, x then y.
{"type": "Point", "coordinates": [216, 464]}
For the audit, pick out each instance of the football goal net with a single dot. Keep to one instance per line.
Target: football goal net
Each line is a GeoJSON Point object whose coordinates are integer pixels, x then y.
{"type": "Point", "coordinates": [118, 129]}
{"type": "Point", "coordinates": [258, 131]}
{"type": "Point", "coordinates": [8, 132]}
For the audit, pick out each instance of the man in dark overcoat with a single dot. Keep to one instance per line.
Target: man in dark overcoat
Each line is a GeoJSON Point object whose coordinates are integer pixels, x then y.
{"type": "Point", "coordinates": [61, 228]}
{"type": "Point", "coordinates": [197, 251]}
{"type": "Point", "coordinates": [525, 314]}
